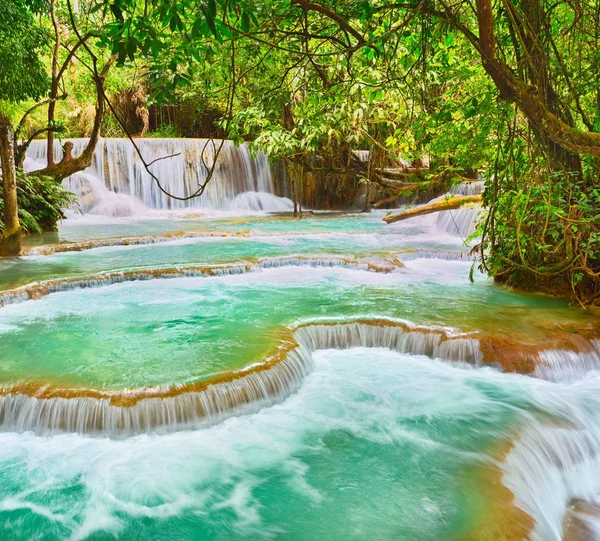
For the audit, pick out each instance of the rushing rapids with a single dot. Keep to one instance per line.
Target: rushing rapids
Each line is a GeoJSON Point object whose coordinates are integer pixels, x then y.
{"type": "Point", "coordinates": [39, 408]}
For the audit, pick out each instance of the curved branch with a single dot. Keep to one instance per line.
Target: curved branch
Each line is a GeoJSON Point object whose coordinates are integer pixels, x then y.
{"type": "Point", "coordinates": [22, 148]}
{"type": "Point", "coordinates": [32, 109]}
{"type": "Point", "coordinates": [342, 23]}
{"type": "Point", "coordinates": [69, 165]}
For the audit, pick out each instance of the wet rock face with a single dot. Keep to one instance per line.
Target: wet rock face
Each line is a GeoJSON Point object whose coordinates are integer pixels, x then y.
{"type": "Point", "coordinates": [577, 522]}
{"type": "Point", "coordinates": [512, 355]}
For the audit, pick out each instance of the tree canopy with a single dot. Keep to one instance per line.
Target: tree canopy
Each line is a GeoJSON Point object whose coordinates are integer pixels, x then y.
{"type": "Point", "coordinates": [22, 73]}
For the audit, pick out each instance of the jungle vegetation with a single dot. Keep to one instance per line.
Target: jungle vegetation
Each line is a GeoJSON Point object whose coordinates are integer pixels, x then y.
{"type": "Point", "coordinates": [508, 88]}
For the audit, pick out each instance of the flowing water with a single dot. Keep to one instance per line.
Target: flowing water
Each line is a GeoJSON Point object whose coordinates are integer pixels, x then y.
{"type": "Point", "coordinates": [117, 184]}
{"type": "Point", "coordinates": [249, 376]}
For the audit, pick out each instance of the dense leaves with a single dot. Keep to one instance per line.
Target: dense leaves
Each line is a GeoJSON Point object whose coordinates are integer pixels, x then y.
{"type": "Point", "coordinates": [41, 202]}
{"type": "Point", "coordinates": [22, 74]}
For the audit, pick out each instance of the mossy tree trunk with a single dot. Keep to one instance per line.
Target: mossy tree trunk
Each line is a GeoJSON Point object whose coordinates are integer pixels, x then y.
{"type": "Point", "coordinates": [10, 240]}
{"type": "Point", "coordinates": [530, 99]}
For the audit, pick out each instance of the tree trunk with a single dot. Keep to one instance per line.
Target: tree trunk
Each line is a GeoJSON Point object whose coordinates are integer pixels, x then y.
{"type": "Point", "coordinates": [526, 96]}
{"type": "Point", "coordinates": [10, 241]}
{"type": "Point", "coordinates": [54, 85]}
{"type": "Point", "coordinates": [69, 164]}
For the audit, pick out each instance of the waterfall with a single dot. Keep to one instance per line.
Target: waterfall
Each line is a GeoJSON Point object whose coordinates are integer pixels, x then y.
{"type": "Point", "coordinates": [37, 290]}
{"type": "Point", "coordinates": [117, 184]}
{"type": "Point", "coordinates": [42, 409]}
{"type": "Point", "coordinates": [435, 254]}
{"type": "Point", "coordinates": [474, 187]}
{"type": "Point", "coordinates": [563, 366]}
{"type": "Point", "coordinates": [554, 466]}
{"type": "Point", "coordinates": [461, 222]}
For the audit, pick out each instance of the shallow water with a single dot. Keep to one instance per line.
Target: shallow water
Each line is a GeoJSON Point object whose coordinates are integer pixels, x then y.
{"type": "Point", "coordinates": [373, 444]}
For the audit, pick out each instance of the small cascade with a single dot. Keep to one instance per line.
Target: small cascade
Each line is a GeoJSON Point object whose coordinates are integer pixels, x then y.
{"type": "Point", "coordinates": [158, 409]}
{"type": "Point", "coordinates": [258, 201]}
{"type": "Point", "coordinates": [39, 408]}
{"type": "Point", "coordinates": [182, 166]}
{"type": "Point", "coordinates": [95, 198]}
{"type": "Point", "coordinates": [551, 466]}
{"type": "Point", "coordinates": [461, 222]}
{"type": "Point", "coordinates": [565, 366]}
{"type": "Point", "coordinates": [397, 337]}
{"type": "Point", "coordinates": [362, 155]}
{"type": "Point", "coordinates": [37, 290]}
{"type": "Point", "coordinates": [435, 254]}
{"type": "Point", "coordinates": [474, 187]}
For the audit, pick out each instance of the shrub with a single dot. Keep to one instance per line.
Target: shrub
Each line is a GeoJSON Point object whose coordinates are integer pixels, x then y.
{"type": "Point", "coordinates": [41, 202]}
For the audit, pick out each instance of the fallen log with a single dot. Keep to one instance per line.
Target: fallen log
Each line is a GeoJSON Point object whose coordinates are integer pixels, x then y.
{"type": "Point", "coordinates": [452, 203]}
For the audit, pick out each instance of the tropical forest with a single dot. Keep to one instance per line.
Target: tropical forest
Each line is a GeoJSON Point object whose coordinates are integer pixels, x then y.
{"type": "Point", "coordinates": [300, 270]}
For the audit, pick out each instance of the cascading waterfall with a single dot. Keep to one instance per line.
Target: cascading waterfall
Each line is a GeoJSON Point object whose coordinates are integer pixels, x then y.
{"type": "Point", "coordinates": [435, 254]}
{"type": "Point", "coordinates": [42, 409]}
{"type": "Point", "coordinates": [552, 464]}
{"type": "Point", "coordinates": [117, 184]}
{"type": "Point", "coordinates": [553, 467]}
{"type": "Point", "coordinates": [37, 290]}
{"type": "Point", "coordinates": [461, 222]}
{"type": "Point", "coordinates": [565, 366]}
{"type": "Point", "coordinates": [33, 407]}
{"type": "Point", "coordinates": [474, 187]}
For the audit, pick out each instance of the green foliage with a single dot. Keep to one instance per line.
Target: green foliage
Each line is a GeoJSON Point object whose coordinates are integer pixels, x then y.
{"type": "Point", "coordinates": [165, 131]}
{"type": "Point", "coordinates": [41, 202]}
{"type": "Point", "coordinates": [22, 74]}
{"type": "Point", "coordinates": [401, 82]}
{"type": "Point", "coordinates": [543, 231]}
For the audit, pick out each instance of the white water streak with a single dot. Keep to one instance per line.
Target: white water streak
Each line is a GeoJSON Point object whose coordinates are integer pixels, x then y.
{"type": "Point", "coordinates": [253, 391]}
{"type": "Point", "coordinates": [130, 189]}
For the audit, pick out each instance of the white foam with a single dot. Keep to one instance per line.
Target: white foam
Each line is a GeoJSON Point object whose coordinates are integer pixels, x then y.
{"type": "Point", "coordinates": [257, 201]}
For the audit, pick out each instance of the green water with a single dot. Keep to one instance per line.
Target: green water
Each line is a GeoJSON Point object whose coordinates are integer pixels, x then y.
{"type": "Point", "coordinates": [358, 235]}
{"type": "Point", "coordinates": [184, 329]}
{"type": "Point", "coordinates": [375, 445]}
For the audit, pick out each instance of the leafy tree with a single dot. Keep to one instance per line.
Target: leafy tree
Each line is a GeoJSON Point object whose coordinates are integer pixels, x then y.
{"type": "Point", "coordinates": [22, 76]}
